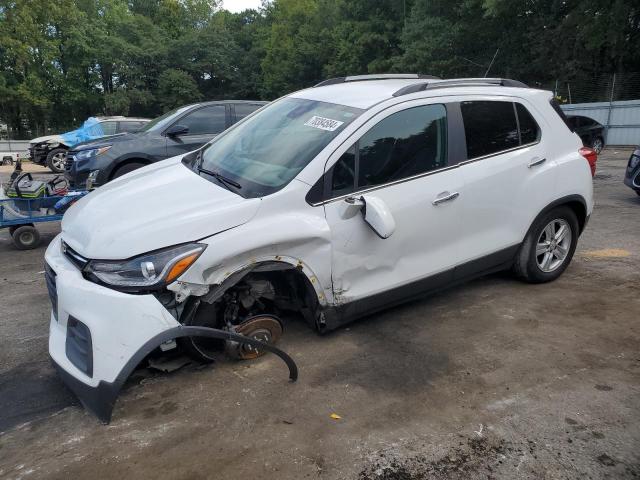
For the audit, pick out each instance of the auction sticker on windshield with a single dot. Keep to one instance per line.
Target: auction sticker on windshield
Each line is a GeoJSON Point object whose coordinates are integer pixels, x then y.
{"type": "Point", "coordinates": [323, 123]}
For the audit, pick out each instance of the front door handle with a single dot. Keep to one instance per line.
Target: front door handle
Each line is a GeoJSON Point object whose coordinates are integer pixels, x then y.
{"type": "Point", "coordinates": [536, 161]}
{"type": "Point", "coordinates": [445, 197]}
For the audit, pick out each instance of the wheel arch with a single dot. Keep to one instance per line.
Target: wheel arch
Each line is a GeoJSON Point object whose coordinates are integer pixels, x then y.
{"type": "Point", "coordinates": [289, 276]}
{"type": "Point", "coordinates": [576, 203]}
{"type": "Point", "coordinates": [128, 161]}
{"type": "Point", "coordinates": [101, 400]}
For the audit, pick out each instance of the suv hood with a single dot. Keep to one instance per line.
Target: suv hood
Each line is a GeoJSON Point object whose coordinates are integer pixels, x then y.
{"type": "Point", "coordinates": [158, 206]}
{"type": "Point", "coordinates": [46, 138]}
{"type": "Point", "coordinates": [108, 140]}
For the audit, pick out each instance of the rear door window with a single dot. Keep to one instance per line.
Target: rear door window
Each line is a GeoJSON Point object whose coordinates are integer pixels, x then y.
{"type": "Point", "coordinates": [490, 127]}
{"type": "Point", "coordinates": [108, 128]}
{"type": "Point", "coordinates": [207, 120]}
{"type": "Point", "coordinates": [129, 127]}
{"type": "Point", "coordinates": [244, 109]}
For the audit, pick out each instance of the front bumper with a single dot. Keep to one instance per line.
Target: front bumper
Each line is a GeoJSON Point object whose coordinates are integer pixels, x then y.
{"type": "Point", "coordinates": [38, 152]}
{"type": "Point", "coordinates": [118, 331]}
{"type": "Point", "coordinates": [633, 180]}
{"type": "Point", "coordinates": [118, 324]}
{"type": "Point", "coordinates": [76, 175]}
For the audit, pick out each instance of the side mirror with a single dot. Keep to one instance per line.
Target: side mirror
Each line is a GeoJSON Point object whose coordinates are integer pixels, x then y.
{"type": "Point", "coordinates": [177, 130]}
{"type": "Point", "coordinates": [376, 214]}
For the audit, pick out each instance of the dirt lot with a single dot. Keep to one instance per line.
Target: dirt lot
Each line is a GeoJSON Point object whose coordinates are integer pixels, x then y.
{"type": "Point", "coordinates": [494, 379]}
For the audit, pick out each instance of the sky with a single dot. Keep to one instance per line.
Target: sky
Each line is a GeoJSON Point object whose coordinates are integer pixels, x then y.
{"type": "Point", "coordinates": [240, 5]}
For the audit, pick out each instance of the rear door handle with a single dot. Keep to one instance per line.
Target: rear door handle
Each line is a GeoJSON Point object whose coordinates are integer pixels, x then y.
{"type": "Point", "coordinates": [445, 197]}
{"type": "Point", "coordinates": [536, 161]}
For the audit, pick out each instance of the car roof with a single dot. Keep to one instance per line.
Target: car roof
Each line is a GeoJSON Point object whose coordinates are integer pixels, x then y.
{"type": "Point", "coordinates": [218, 102]}
{"type": "Point", "coordinates": [355, 94]}
{"type": "Point", "coordinates": [123, 118]}
{"type": "Point", "coordinates": [366, 93]}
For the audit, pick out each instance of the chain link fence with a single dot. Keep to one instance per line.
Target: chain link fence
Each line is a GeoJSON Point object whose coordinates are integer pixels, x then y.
{"type": "Point", "coordinates": [613, 100]}
{"type": "Point", "coordinates": [601, 88]}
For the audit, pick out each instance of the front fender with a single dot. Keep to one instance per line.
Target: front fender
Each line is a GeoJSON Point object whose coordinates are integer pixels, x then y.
{"type": "Point", "coordinates": [285, 230]}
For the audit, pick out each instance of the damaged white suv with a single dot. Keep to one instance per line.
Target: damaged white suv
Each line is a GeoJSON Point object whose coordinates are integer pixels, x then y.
{"type": "Point", "coordinates": [333, 202]}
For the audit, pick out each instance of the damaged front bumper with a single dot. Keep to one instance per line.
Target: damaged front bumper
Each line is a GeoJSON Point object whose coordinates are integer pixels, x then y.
{"type": "Point", "coordinates": [98, 335]}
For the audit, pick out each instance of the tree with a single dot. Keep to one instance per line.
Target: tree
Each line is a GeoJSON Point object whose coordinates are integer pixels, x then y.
{"type": "Point", "coordinates": [176, 88]}
{"type": "Point", "coordinates": [366, 37]}
{"type": "Point", "coordinates": [297, 45]}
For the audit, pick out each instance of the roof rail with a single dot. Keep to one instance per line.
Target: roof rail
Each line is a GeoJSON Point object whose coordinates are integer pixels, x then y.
{"type": "Point", "coordinates": [459, 82]}
{"type": "Point", "coordinates": [375, 76]}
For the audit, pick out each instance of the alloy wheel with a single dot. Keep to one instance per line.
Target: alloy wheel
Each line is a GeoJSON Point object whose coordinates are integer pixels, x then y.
{"type": "Point", "coordinates": [58, 161]}
{"type": "Point", "coordinates": [597, 145]}
{"type": "Point", "coordinates": [553, 245]}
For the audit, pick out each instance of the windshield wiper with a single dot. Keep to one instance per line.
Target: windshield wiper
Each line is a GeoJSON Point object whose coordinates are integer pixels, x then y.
{"type": "Point", "coordinates": [221, 178]}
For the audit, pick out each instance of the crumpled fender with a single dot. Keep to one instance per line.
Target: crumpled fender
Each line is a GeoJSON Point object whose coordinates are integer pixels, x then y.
{"type": "Point", "coordinates": [101, 400]}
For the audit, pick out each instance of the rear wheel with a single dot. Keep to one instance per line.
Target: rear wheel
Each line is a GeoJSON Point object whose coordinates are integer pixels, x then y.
{"type": "Point", "coordinates": [129, 167]}
{"type": "Point", "coordinates": [597, 145]}
{"type": "Point", "coordinates": [56, 159]}
{"type": "Point", "coordinates": [548, 247]}
{"type": "Point", "coordinates": [26, 237]}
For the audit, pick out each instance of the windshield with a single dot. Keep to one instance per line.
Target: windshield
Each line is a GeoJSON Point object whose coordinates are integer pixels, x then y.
{"type": "Point", "coordinates": [159, 123]}
{"type": "Point", "coordinates": [265, 152]}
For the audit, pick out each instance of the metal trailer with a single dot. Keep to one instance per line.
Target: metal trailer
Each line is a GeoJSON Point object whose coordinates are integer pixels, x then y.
{"type": "Point", "coordinates": [20, 215]}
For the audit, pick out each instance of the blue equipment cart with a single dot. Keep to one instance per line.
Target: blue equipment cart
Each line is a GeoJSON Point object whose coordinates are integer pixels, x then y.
{"type": "Point", "coordinates": [20, 215]}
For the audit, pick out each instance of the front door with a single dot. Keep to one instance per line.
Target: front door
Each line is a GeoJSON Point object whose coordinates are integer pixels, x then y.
{"type": "Point", "coordinates": [400, 158]}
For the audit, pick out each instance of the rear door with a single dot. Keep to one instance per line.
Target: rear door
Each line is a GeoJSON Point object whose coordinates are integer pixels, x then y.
{"type": "Point", "coordinates": [400, 158]}
{"type": "Point", "coordinates": [203, 124]}
{"type": "Point", "coordinates": [508, 175]}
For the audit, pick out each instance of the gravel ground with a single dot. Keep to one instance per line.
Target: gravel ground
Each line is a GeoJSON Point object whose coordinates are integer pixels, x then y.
{"type": "Point", "coordinates": [493, 379]}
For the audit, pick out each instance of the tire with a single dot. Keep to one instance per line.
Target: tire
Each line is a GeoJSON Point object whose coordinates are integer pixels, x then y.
{"type": "Point", "coordinates": [56, 159]}
{"type": "Point", "coordinates": [129, 167]}
{"type": "Point", "coordinates": [597, 144]}
{"type": "Point", "coordinates": [26, 237]}
{"type": "Point", "coordinates": [547, 265]}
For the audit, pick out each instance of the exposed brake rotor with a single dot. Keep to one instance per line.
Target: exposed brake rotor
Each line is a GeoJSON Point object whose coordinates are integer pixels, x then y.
{"type": "Point", "coordinates": [266, 328]}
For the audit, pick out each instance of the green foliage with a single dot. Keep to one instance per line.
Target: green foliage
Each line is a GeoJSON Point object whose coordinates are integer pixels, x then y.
{"type": "Point", "coordinates": [64, 60]}
{"type": "Point", "coordinates": [176, 88]}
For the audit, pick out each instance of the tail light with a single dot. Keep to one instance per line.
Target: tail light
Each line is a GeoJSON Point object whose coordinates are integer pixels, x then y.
{"type": "Point", "coordinates": [591, 156]}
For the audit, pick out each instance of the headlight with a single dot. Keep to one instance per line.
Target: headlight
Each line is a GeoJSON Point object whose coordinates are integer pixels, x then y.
{"type": "Point", "coordinates": [633, 162]}
{"type": "Point", "coordinates": [93, 152]}
{"type": "Point", "coordinates": [147, 271]}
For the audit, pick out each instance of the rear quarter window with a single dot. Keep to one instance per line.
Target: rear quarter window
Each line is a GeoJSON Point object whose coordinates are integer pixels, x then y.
{"type": "Point", "coordinates": [556, 107]}
{"type": "Point", "coordinates": [529, 129]}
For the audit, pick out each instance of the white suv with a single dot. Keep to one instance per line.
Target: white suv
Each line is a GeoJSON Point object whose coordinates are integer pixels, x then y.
{"type": "Point", "coordinates": [335, 202]}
